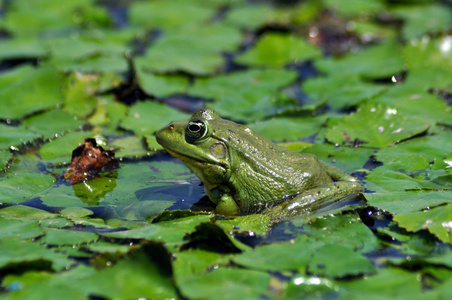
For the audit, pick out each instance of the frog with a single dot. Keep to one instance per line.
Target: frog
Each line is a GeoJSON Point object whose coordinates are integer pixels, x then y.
{"type": "Point", "coordinates": [246, 173]}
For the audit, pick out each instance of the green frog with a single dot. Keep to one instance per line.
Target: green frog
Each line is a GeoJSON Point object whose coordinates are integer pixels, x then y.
{"type": "Point", "coordinates": [244, 172]}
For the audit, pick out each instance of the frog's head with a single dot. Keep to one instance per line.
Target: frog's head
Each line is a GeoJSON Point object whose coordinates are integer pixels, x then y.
{"type": "Point", "coordinates": [196, 142]}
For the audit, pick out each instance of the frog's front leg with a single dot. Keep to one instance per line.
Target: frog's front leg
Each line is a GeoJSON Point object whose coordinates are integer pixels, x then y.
{"type": "Point", "coordinates": [313, 199]}
{"type": "Point", "coordinates": [225, 204]}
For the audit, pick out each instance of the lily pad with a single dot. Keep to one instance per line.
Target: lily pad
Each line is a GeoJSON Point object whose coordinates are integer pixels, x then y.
{"type": "Point", "coordinates": [345, 158]}
{"type": "Point", "coordinates": [170, 232]}
{"type": "Point", "coordinates": [196, 50]}
{"type": "Point", "coordinates": [421, 19]}
{"type": "Point", "coordinates": [169, 15]}
{"type": "Point", "coordinates": [355, 7]}
{"type": "Point", "coordinates": [132, 146]}
{"type": "Point", "coordinates": [436, 220]}
{"type": "Point", "coordinates": [409, 201]}
{"type": "Point", "coordinates": [21, 186]}
{"type": "Point", "coordinates": [338, 261]}
{"type": "Point", "coordinates": [278, 129]}
{"type": "Point", "coordinates": [162, 85]}
{"type": "Point", "coordinates": [341, 91]}
{"type": "Point", "coordinates": [388, 282]}
{"type": "Point", "coordinates": [251, 17]}
{"type": "Point", "coordinates": [145, 273]}
{"type": "Point", "coordinates": [253, 93]}
{"type": "Point", "coordinates": [52, 123]}
{"type": "Point", "coordinates": [36, 89]}
{"type": "Point", "coordinates": [226, 283]}
{"type": "Point", "coordinates": [11, 136]}
{"type": "Point", "coordinates": [429, 62]}
{"type": "Point", "coordinates": [276, 50]}
{"type": "Point", "coordinates": [380, 61]}
{"type": "Point", "coordinates": [17, 252]}
{"type": "Point", "coordinates": [67, 237]}
{"type": "Point", "coordinates": [21, 48]}
{"type": "Point", "coordinates": [54, 16]}
{"type": "Point", "coordinates": [60, 149]}
{"type": "Point", "coordinates": [377, 126]}
{"type": "Point", "coordinates": [148, 117]}
{"type": "Point", "coordinates": [279, 256]}
{"type": "Point", "coordinates": [20, 229]}
{"type": "Point", "coordinates": [79, 94]}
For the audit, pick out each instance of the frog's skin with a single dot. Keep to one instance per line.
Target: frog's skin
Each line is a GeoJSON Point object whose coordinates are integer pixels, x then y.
{"type": "Point", "coordinates": [245, 173]}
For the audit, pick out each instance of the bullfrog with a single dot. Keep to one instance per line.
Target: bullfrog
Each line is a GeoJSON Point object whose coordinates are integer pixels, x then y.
{"type": "Point", "coordinates": [245, 173]}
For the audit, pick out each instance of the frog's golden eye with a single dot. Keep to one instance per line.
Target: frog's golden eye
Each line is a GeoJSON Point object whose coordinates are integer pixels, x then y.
{"type": "Point", "coordinates": [196, 129]}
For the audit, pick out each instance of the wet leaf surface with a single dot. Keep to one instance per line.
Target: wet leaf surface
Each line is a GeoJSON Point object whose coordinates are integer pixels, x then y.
{"type": "Point", "coordinates": [363, 85]}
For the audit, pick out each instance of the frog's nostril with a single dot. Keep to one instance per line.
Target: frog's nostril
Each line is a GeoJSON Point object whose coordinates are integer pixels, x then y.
{"type": "Point", "coordinates": [171, 127]}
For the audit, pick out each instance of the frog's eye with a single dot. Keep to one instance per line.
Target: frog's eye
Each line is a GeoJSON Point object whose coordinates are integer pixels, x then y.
{"type": "Point", "coordinates": [196, 129]}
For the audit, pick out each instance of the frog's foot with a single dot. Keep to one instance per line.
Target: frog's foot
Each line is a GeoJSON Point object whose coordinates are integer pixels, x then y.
{"type": "Point", "coordinates": [314, 199]}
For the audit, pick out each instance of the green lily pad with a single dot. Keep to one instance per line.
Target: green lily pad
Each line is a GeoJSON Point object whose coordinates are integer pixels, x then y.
{"type": "Point", "coordinates": [142, 274]}
{"type": "Point", "coordinates": [276, 50]}
{"type": "Point", "coordinates": [169, 15]}
{"type": "Point", "coordinates": [301, 286]}
{"type": "Point", "coordinates": [21, 48]}
{"type": "Point", "coordinates": [41, 284]}
{"type": "Point", "coordinates": [409, 201]}
{"type": "Point", "coordinates": [21, 186]}
{"type": "Point", "coordinates": [54, 16]}
{"type": "Point", "coordinates": [436, 220]}
{"type": "Point", "coordinates": [254, 224]}
{"type": "Point", "coordinates": [279, 256]}
{"type": "Point", "coordinates": [11, 136]}
{"type": "Point", "coordinates": [279, 129]}
{"type": "Point", "coordinates": [409, 102]}
{"type": "Point", "coordinates": [195, 50]}
{"type": "Point", "coordinates": [355, 7]}
{"type": "Point", "coordinates": [105, 247]}
{"type": "Point", "coordinates": [342, 229]}
{"type": "Point", "coordinates": [79, 94]}
{"type": "Point", "coordinates": [196, 261]}
{"type": "Point", "coordinates": [416, 163]}
{"type": "Point", "coordinates": [170, 232]}
{"type": "Point", "coordinates": [226, 283]}
{"type": "Point", "coordinates": [21, 229]}
{"type": "Point", "coordinates": [5, 156]}
{"type": "Point", "coordinates": [132, 146]}
{"type": "Point", "coordinates": [380, 61]}
{"type": "Point", "coordinates": [148, 117]}
{"type": "Point", "coordinates": [429, 63]}
{"type": "Point", "coordinates": [337, 261]}
{"type": "Point", "coordinates": [377, 126]}
{"type": "Point", "coordinates": [162, 85]}
{"type": "Point", "coordinates": [17, 252]}
{"type": "Point", "coordinates": [36, 89]}
{"type": "Point", "coordinates": [344, 158]}
{"type": "Point", "coordinates": [421, 19]}
{"type": "Point", "coordinates": [387, 283]}
{"type": "Point", "coordinates": [67, 237]}
{"type": "Point", "coordinates": [251, 17]}
{"type": "Point", "coordinates": [52, 123]}
{"type": "Point", "coordinates": [60, 149]}
{"type": "Point", "coordinates": [25, 212]}
{"type": "Point", "coordinates": [252, 93]}
{"type": "Point", "coordinates": [341, 91]}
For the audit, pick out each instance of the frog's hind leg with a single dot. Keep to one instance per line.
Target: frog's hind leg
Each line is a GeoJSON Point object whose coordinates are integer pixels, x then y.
{"type": "Point", "coordinates": [314, 199]}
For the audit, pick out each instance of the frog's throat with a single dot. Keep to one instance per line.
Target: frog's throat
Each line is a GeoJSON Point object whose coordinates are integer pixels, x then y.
{"type": "Point", "coordinates": [201, 160]}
